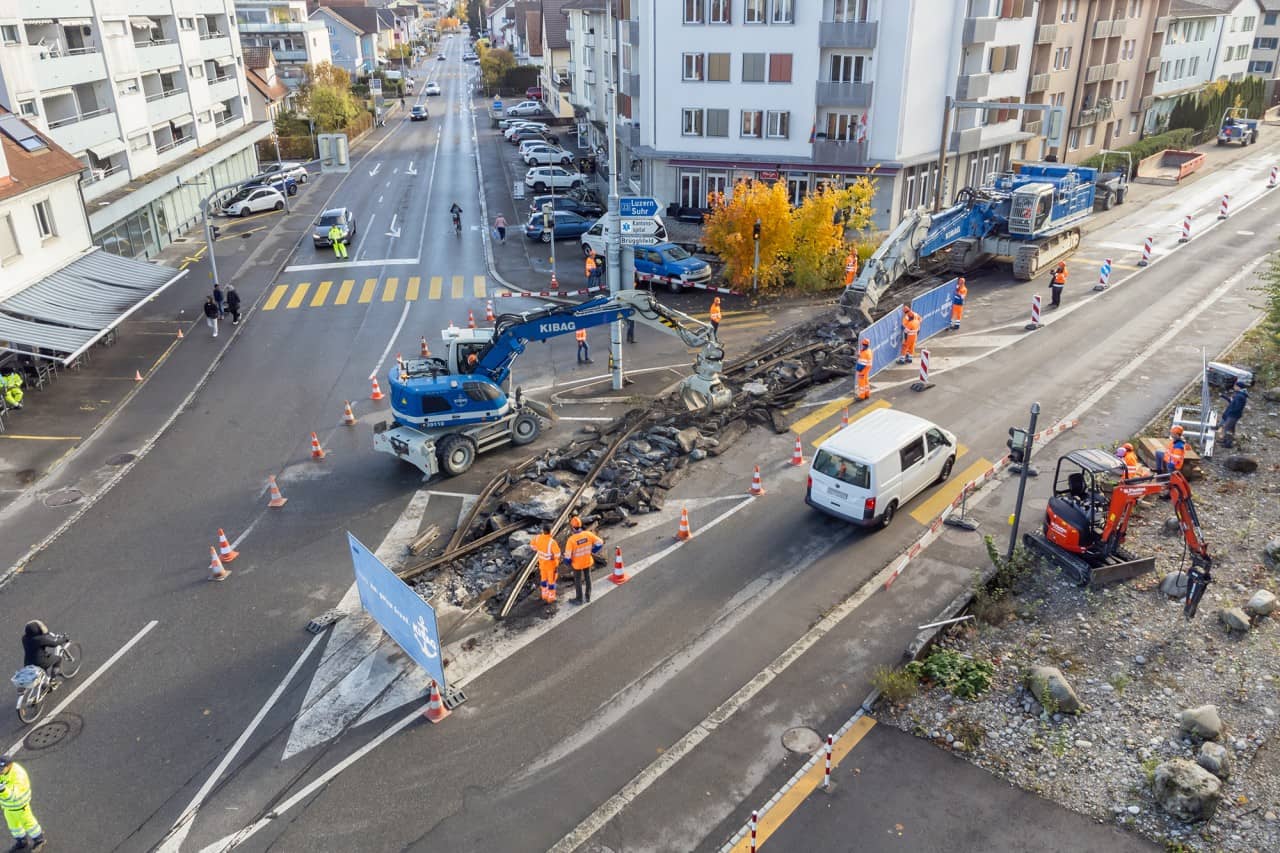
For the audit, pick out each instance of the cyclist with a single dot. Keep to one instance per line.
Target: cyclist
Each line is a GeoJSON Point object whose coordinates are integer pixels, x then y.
{"type": "Point", "coordinates": [40, 647]}
{"type": "Point", "coordinates": [456, 213]}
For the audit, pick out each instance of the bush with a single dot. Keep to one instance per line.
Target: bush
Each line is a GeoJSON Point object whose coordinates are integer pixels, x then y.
{"type": "Point", "coordinates": [963, 677]}
{"type": "Point", "coordinates": [895, 685]}
{"type": "Point", "coordinates": [1143, 148]}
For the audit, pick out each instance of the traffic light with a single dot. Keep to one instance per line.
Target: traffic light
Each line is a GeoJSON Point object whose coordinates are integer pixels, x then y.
{"type": "Point", "coordinates": [1017, 444]}
{"type": "Point", "coordinates": [214, 230]}
{"type": "Point", "coordinates": [755, 230]}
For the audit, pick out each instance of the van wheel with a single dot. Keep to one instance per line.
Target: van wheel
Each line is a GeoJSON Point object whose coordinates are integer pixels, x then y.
{"type": "Point", "coordinates": [586, 250]}
{"type": "Point", "coordinates": [889, 512]}
{"type": "Point", "coordinates": [946, 470]}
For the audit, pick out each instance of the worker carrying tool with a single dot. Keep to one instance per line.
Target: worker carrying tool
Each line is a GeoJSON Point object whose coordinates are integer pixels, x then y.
{"type": "Point", "coordinates": [546, 548]}
{"type": "Point", "coordinates": [579, 552]}
{"type": "Point", "coordinates": [910, 331]}
{"type": "Point", "coordinates": [15, 800]}
{"type": "Point", "coordinates": [864, 369]}
{"type": "Point", "coordinates": [1132, 466]}
{"type": "Point", "coordinates": [957, 304]}
{"type": "Point", "coordinates": [1171, 458]}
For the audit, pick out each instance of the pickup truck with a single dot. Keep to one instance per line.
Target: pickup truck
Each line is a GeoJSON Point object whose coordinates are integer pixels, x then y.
{"type": "Point", "coordinates": [1237, 127]}
{"type": "Point", "coordinates": [667, 263]}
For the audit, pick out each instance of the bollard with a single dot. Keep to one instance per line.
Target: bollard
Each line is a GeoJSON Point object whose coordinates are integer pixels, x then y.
{"type": "Point", "coordinates": [1186, 230]}
{"type": "Point", "coordinates": [923, 384]}
{"type": "Point", "coordinates": [1035, 314]}
{"type": "Point", "coordinates": [826, 776]}
{"type": "Point", "coordinates": [1104, 275]}
{"type": "Point", "coordinates": [1222, 208]}
{"type": "Point", "coordinates": [1146, 252]}
{"type": "Point", "coordinates": [755, 820]}
{"type": "Point", "coordinates": [1271, 184]}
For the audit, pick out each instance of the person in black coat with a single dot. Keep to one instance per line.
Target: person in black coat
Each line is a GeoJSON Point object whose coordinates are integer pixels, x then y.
{"type": "Point", "coordinates": [211, 314]}
{"type": "Point", "coordinates": [40, 646]}
{"type": "Point", "coordinates": [218, 299]}
{"type": "Point", "coordinates": [233, 304]}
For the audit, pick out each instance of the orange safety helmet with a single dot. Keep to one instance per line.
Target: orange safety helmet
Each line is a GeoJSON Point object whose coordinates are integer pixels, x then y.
{"type": "Point", "coordinates": [1128, 446]}
{"type": "Point", "coordinates": [1175, 430]}
{"type": "Point", "coordinates": [866, 342]}
{"type": "Point", "coordinates": [575, 522]}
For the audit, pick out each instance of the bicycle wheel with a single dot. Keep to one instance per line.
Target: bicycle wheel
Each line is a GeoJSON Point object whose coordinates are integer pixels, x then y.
{"type": "Point", "coordinates": [72, 659]}
{"type": "Point", "coordinates": [29, 711]}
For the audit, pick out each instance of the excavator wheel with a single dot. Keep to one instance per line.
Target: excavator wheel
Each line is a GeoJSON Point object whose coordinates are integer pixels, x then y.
{"type": "Point", "coordinates": [525, 428]}
{"type": "Point", "coordinates": [457, 454]}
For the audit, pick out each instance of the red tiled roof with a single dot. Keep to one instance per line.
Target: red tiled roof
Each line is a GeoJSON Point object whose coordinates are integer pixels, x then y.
{"type": "Point", "coordinates": [31, 169]}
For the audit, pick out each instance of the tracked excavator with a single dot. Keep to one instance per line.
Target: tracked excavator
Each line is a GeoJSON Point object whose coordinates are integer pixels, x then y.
{"type": "Point", "coordinates": [446, 410]}
{"type": "Point", "coordinates": [1088, 515]}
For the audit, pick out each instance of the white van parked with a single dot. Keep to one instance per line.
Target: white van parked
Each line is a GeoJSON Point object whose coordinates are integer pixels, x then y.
{"type": "Point", "coordinates": [869, 470]}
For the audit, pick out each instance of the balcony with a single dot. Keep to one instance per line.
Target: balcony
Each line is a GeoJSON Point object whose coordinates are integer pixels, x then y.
{"type": "Point", "coordinates": [1119, 27]}
{"type": "Point", "coordinates": [1032, 127]}
{"type": "Point", "coordinates": [589, 77]}
{"type": "Point", "coordinates": [827, 152]}
{"type": "Point", "coordinates": [973, 86]}
{"type": "Point", "coordinates": [831, 93]}
{"type": "Point", "coordinates": [589, 40]}
{"type": "Point", "coordinates": [56, 71]}
{"type": "Point", "coordinates": [174, 144]}
{"type": "Point", "coordinates": [1153, 64]}
{"type": "Point", "coordinates": [1087, 118]}
{"type": "Point", "coordinates": [228, 119]}
{"type": "Point", "coordinates": [289, 55]}
{"type": "Point", "coordinates": [78, 133]}
{"type": "Point", "coordinates": [1046, 33]}
{"type": "Point", "coordinates": [224, 88]}
{"type": "Point", "coordinates": [158, 54]}
{"type": "Point", "coordinates": [1146, 103]}
{"type": "Point", "coordinates": [1038, 83]}
{"type": "Point", "coordinates": [978, 30]}
{"type": "Point", "coordinates": [967, 140]}
{"type": "Point", "coordinates": [212, 46]}
{"type": "Point", "coordinates": [57, 9]}
{"type": "Point", "coordinates": [631, 84]}
{"type": "Point", "coordinates": [1097, 73]}
{"type": "Point", "coordinates": [630, 32]}
{"type": "Point", "coordinates": [275, 27]}
{"type": "Point", "coordinates": [104, 181]}
{"type": "Point", "coordinates": [1162, 24]}
{"type": "Point", "coordinates": [855, 34]}
{"type": "Point", "coordinates": [167, 105]}
{"type": "Point", "coordinates": [1102, 29]}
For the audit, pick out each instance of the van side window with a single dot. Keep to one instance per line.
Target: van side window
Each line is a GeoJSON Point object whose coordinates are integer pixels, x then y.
{"type": "Point", "coordinates": [935, 439]}
{"type": "Point", "coordinates": [911, 454]}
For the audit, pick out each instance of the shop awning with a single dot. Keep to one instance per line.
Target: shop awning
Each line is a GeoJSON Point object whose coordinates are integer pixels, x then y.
{"type": "Point", "coordinates": [69, 310]}
{"type": "Point", "coordinates": [225, 61]}
{"type": "Point", "coordinates": [75, 22]}
{"type": "Point", "coordinates": [105, 149]}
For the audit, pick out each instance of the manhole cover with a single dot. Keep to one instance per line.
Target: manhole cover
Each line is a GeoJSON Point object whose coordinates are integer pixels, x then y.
{"type": "Point", "coordinates": [63, 498]}
{"type": "Point", "coordinates": [47, 735]}
{"type": "Point", "coordinates": [121, 459]}
{"type": "Point", "coordinates": [801, 740]}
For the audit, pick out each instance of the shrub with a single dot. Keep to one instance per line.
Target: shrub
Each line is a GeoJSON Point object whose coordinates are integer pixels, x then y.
{"type": "Point", "coordinates": [963, 677]}
{"type": "Point", "coordinates": [1178, 139]}
{"type": "Point", "coordinates": [895, 685]}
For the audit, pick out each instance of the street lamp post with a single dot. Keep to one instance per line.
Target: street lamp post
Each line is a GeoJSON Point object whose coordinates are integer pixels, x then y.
{"type": "Point", "coordinates": [613, 249]}
{"type": "Point", "coordinates": [275, 137]}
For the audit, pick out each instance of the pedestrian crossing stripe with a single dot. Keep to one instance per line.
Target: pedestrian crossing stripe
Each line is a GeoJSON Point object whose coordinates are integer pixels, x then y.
{"type": "Point", "coordinates": [369, 290]}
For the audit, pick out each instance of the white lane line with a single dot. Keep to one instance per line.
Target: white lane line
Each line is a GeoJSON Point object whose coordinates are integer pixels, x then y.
{"type": "Point", "coordinates": [247, 531]}
{"type": "Point", "coordinates": [367, 230]}
{"type": "Point", "coordinates": [374, 170]}
{"type": "Point", "coordinates": [84, 685]}
{"type": "Point", "coordinates": [373, 262]}
{"type": "Point", "coordinates": [431, 185]}
{"type": "Point", "coordinates": [172, 842]}
{"type": "Point", "coordinates": [404, 315]}
{"type": "Point", "coordinates": [466, 496]}
{"type": "Point", "coordinates": [379, 199]}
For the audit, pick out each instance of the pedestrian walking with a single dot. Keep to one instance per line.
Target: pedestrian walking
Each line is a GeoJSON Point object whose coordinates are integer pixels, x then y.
{"type": "Point", "coordinates": [715, 316]}
{"type": "Point", "coordinates": [1056, 283]}
{"type": "Point", "coordinates": [584, 352]}
{"type": "Point", "coordinates": [15, 800]}
{"type": "Point", "coordinates": [589, 268]}
{"type": "Point", "coordinates": [865, 359]}
{"type": "Point", "coordinates": [338, 240]}
{"type": "Point", "coordinates": [500, 224]}
{"type": "Point", "coordinates": [219, 299]}
{"type": "Point", "coordinates": [580, 551]}
{"type": "Point", "coordinates": [1234, 411]}
{"type": "Point", "coordinates": [233, 304]}
{"type": "Point", "coordinates": [957, 304]}
{"type": "Point", "coordinates": [211, 314]}
{"type": "Point", "coordinates": [547, 550]}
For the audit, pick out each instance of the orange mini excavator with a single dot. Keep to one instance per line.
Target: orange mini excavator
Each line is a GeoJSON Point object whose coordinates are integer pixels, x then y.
{"type": "Point", "coordinates": [1088, 516]}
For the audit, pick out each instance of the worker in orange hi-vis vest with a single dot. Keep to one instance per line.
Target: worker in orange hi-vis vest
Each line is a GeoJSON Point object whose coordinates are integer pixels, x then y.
{"type": "Point", "coordinates": [850, 268]}
{"type": "Point", "coordinates": [580, 551]}
{"type": "Point", "coordinates": [957, 304]}
{"type": "Point", "coordinates": [910, 330]}
{"type": "Point", "coordinates": [864, 369]}
{"type": "Point", "coordinates": [547, 550]}
{"type": "Point", "coordinates": [715, 316]}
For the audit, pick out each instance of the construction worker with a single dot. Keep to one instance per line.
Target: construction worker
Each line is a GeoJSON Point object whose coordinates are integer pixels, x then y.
{"type": "Point", "coordinates": [1171, 458]}
{"type": "Point", "coordinates": [957, 304]}
{"type": "Point", "coordinates": [584, 352]}
{"type": "Point", "coordinates": [1132, 466]}
{"type": "Point", "coordinates": [850, 268]}
{"type": "Point", "coordinates": [589, 268]}
{"type": "Point", "coordinates": [15, 800]}
{"type": "Point", "coordinates": [715, 316]}
{"type": "Point", "coordinates": [12, 385]}
{"type": "Point", "coordinates": [864, 369]}
{"type": "Point", "coordinates": [1232, 414]}
{"type": "Point", "coordinates": [1056, 283]}
{"type": "Point", "coordinates": [910, 331]}
{"type": "Point", "coordinates": [337, 239]}
{"type": "Point", "coordinates": [579, 552]}
{"type": "Point", "coordinates": [547, 549]}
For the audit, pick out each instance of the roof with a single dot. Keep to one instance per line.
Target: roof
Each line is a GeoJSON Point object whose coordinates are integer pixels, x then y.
{"type": "Point", "coordinates": [1200, 8]}
{"type": "Point", "coordinates": [521, 15]}
{"type": "Point", "coordinates": [274, 92]}
{"type": "Point", "coordinates": [875, 435]}
{"type": "Point", "coordinates": [585, 5]}
{"type": "Point", "coordinates": [555, 25]}
{"type": "Point", "coordinates": [332, 15]}
{"type": "Point", "coordinates": [256, 56]}
{"type": "Point", "coordinates": [367, 19]}
{"type": "Point", "coordinates": [31, 169]}
{"type": "Point", "coordinates": [533, 33]}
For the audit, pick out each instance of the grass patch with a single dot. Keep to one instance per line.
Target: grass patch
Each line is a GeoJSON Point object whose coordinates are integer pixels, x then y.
{"type": "Point", "coordinates": [963, 677]}
{"type": "Point", "coordinates": [898, 686]}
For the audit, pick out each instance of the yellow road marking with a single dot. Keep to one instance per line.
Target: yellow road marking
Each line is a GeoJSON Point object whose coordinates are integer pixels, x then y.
{"type": "Point", "coordinates": [299, 293]}
{"type": "Point", "coordinates": [477, 285]}
{"type": "Point", "coordinates": [322, 293]}
{"type": "Point", "coordinates": [853, 417]}
{"type": "Point", "coordinates": [366, 292]}
{"type": "Point", "coordinates": [786, 805]}
{"type": "Point", "coordinates": [411, 290]}
{"type": "Point", "coordinates": [928, 509]}
{"type": "Point", "coordinates": [276, 295]}
{"type": "Point", "coordinates": [344, 292]}
{"type": "Point", "coordinates": [437, 283]}
{"type": "Point", "coordinates": [41, 437]}
{"type": "Point", "coordinates": [389, 290]}
{"type": "Point", "coordinates": [457, 287]}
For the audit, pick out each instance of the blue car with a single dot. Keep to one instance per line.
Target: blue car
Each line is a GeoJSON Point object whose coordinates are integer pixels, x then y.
{"type": "Point", "coordinates": [676, 267]}
{"type": "Point", "coordinates": [567, 224]}
{"type": "Point", "coordinates": [282, 183]}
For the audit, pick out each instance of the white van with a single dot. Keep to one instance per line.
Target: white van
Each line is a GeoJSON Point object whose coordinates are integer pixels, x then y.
{"type": "Point", "coordinates": [867, 471]}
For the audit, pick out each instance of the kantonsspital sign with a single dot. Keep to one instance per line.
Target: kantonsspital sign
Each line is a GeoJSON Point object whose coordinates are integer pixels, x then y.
{"type": "Point", "coordinates": [637, 226]}
{"type": "Point", "coordinates": [409, 620]}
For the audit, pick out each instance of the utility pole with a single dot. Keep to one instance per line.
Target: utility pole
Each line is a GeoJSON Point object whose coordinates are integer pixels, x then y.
{"type": "Point", "coordinates": [755, 263]}
{"type": "Point", "coordinates": [613, 223]}
{"type": "Point", "coordinates": [1024, 463]}
{"type": "Point", "coordinates": [275, 136]}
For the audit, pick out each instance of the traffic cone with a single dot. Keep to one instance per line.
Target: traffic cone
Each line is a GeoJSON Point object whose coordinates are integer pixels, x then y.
{"type": "Point", "coordinates": [216, 570]}
{"type": "Point", "coordinates": [684, 533]}
{"type": "Point", "coordinates": [488, 311]}
{"type": "Point", "coordinates": [137, 376]}
{"type": "Point", "coordinates": [224, 548]}
{"type": "Point", "coordinates": [377, 392]}
{"type": "Point", "coordinates": [425, 351]}
{"type": "Point", "coordinates": [180, 335]}
{"type": "Point", "coordinates": [844, 421]}
{"type": "Point", "coordinates": [471, 319]}
{"type": "Point", "coordinates": [797, 456]}
{"type": "Point", "coordinates": [619, 577]}
{"type": "Point", "coordinates": [554, 284]}
{"type": "Point", "coordinates": [317, 452]}
{"type": "Point", "coordinates": [757, 487]}
{"type": "Point", "coordinates": [435, 711]}
{"type": "Point", "coordinates": [277, 500]}
{"type": "Point", "coordinates": [348, 416]}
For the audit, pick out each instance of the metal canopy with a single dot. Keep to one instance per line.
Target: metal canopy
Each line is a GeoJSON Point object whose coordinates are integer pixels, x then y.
{"type": "Point", "coordinates": [69, 310]}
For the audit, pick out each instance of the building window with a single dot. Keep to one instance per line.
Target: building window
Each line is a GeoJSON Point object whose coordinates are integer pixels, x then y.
{"type": "Point", "coordinates": [753, 67]}
{"type": "Point", "coordinates": [128, 86]}
{"type": "Point", "coordinates": [206, 116]}
{"type": "Point", "coordinates": [1260, 67]}
{"type": "Point", "coordinates": [1195, 65]}
{"type": "Point", "coordinates": [784, 12]}
{"type": "Point", "coordinates": [691, 194]}
{"type": "Point", "coordinates": [719, 13]}
{"type": "Point", "coordinates": [1090, 134]}
{"type": "Point", "coordinates": [9, 33]}
{"type": "Point", "coordinates": [44, 219]}
{"type": "Point", "coordinates": [691, 124]}
{"type": "Point", "coordinates": [1070, 10]}
{"type": "Point", "coordinates": [186, 24]}
{"type": "Point", "coordinates": [1122, 90]}
{"type": "Point", "coordinates": [718, 67]}
{"type": "Point", "coordinates": [846, 68]}
{"type": "Point", "coordinates": [717, 122]}
{"type": "Point", "coordinates": [779, 68]}
{"type": "Point", "coordinates": [695, 12]}
{"type": "Point", "coordinates": [8, 242]}
{"type": "Point", "coordinates": [1073, 139]}
{"type": "Point", "coordinates": [753, 11]}
{"type": "Point", "coordinates": [777, 124]}
{"type": "Point", "coordinates": [692, 67]}
{"type": "Point", "coordinates": [140, 142]}
{"type": "Point", "coordinates": [1128, 48]}
{"type": "Point", "coordinates": [752, 124]}
{"type": "Point", "coordinates": [1003, 58]}
{"type": "Point", "coordinates": [849, 11]}
{"type": "Point", "coordinates": [717, 186]}
{"type": "Point", "coordinates": [842, 127]}
{"type": "Point", "coordinates": [1250, 21]}
{"type": "Point", "coordinates": [1265, 44]}
{"type": "Point", "coordinates": [1062, 59]}
{"type": "Point", "coordinates": [1271, 19]}
{"type": "Point", "coordinates": [1133, 123]}
{"type": "Point", "coordinates": [27, 108]}
{"type": "Point", "coordinates": [1179, 68]}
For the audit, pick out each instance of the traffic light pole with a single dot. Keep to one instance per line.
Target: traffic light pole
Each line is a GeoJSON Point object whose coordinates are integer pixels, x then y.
{"type": "Point", "coordinates": [1025, 466]}
{"type": "Point", "coordinates": [613, 227]}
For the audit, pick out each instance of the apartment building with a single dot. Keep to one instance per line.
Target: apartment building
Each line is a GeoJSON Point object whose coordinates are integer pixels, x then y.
{"type": "Point", "coordinates": [591, 54]}
{"type": "Point", "coordinates": [359, 36]}
{"type": "Point", "coordinates": [1207, 40]}
{"type": "Point", "coordinates": [556, 87]}
{"type": "Point", "coordinates": [1237, 29]}
{"type": "Point", "coordinates": [285, 27]}
{"type": "Point", "coordinates": [1264, 58]}
{"type": "Point", "coordinates": [150, 95]}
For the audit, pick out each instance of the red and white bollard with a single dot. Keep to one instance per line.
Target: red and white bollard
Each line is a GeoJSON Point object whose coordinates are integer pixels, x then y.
{"type": "Point", "coordinates": [1271, 184]}
{"type": "Point", "coordinates": [1186, 229]}
{"type": "Point", "coordinates": [1222, 208]}
{"type": "Point", "coordinates": [826, 776]}
{"type": "Point", "coordinates": [1146, 252]}
{"type": "Point", "coordinates": [755, 820]}
{"type": "Point", "coordinates": [1104, 275]}
{"type": "Point", "coordinates": [1035, 314]}
{"type": "Point", "coordinates": [924, 365]}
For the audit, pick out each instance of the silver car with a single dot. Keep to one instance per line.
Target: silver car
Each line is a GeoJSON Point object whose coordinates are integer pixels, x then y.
{"type": "Point", "coordinates": [342, 217]}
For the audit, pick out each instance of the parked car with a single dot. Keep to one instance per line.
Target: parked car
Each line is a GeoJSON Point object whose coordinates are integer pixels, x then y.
{"type": "Point", "coordinates": [533, 93]}
{"type": "Point", "coordinates": [419, 113]}
{"type": "Point", "coordinates": [282, 183]}
{"type": "Point", "coordinates": [469, 57]}
{"type": "Point", "coordinates": [546, 155]}
{"type": "Point", "coordinates": [594, 240]}
{"type": "Point", "coordinates": [433, 88]}
{"type": "Point", "coordinates": [671, 261]}
{"type": "Point", "coordinates": [440, 57]}
{"type": "Point", "coordinates": [589, 209]}
{"type": "Point", "coordinates": [343, 217]}
{"type": "Point", "coordinates": [524, 134]}
{"type": "Point", "coordinates": [530, 144]}
{"type": "Point", "coordinates": [293, 169]}
{"type": "Point", "coordinates": [255, 200]}
{"type": "Point", "coordinates": [567, 224]}
{"type": "Point", "coordinates": [518, 123]}
{"type": "Point", "coordinates": [542, 178]}
{"type": "Point", "coordinates": [525, 108]}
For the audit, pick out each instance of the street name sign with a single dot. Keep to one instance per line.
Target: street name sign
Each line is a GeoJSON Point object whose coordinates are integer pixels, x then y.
{"type": "Point", "coordinates": [637, 206]}
{"type": "Point", "coordinates": [639, 239]}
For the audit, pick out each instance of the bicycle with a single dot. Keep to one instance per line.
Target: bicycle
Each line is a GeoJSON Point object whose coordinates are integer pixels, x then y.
{"type": "Point", "coordinates": [34, 684]}
{"type": "Point", "coordinates": [457, 225]}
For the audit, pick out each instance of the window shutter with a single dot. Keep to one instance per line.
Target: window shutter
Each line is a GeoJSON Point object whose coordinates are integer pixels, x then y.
{"type": "Point", "coordinates": [779, 68]}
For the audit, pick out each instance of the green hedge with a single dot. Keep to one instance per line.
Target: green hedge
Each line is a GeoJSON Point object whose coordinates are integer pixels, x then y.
{"type": "Point", "coordinates": [1179, 139]}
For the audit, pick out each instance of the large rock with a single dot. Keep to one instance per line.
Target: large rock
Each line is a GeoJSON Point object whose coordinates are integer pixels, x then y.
{"type": "Point", "coordinates": [1185, 790]}
{"type": "Point", "coordinates": [1202, 722]}
{"type": "Point", "coordinates": [687, 439]}
{"type": "Point", "coordinates": [1051, 688]}
{"type": "Point", "coordinates": [1215, 758]}
{"type": "Point", "coordinates": [1174, 584]}
{"type": "Point", "coordinates": [1240, 464]}
{"type": "Point", "coordinates": [1262, 603]}
{"type": "Point", "coordinates": [1271, 395]}
{"type": "Point", "coordinates": [1235, 619]}
{"type": "Point", "coordinates": [518, 543]}
{"type": "Point", "coordinates": [1271, 553]}
{"type": "Point", "coordinates": [531, 499]}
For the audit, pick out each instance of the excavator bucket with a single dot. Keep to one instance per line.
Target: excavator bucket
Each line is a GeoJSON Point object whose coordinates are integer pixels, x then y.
{"type": "Point", "coordinates": [701, 395]}
{"type": "Point", "coordinates": [1120, 571]}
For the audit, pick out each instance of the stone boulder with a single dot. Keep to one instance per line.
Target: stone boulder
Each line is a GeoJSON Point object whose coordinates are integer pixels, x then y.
{"type": "Point", "coordinates": [518, 543]}
{"type": "Point", "coordinates": [687, 439]}
{"type": "Point", "coordinates": [1235, 619]}
{"type": "Point", "coordinates": [1051, 689]}
{"type": "Point", "coordinates": [1215, 758]}
{"type": "Point", "coordinates": [531, 499]}
{"type": "Point", "coordinates": [1271, 395]}
{"type": "Point", "coordinates": [1185, 790]}
{"type": "Point", "coordinates": [1240, 464]}
{"type": "Point", "coordinates": [1174, 584]}
{"type": "Point", "coordinates": [1271, 553]}
{"type": "Point", "coordinates": [1202, 722]}
{"type": "Point", "coordinates": [1262, 603]}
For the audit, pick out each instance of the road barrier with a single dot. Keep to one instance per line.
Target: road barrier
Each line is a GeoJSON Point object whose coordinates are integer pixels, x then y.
{"type": "Point", "coordinates": [1104, 275]}
{"type": "Point", "coordinates": [650, 278]}
{"type": "Point", "coordinates": [1186, 230]}
{"type": "Point", "coordinates": [1271, 184]}
{"type": "Point", "coordinates": [1146, 252]}
{"type": "Point", "coordinates": [1035, 314]}
{"type": "Point", "coordinates": [826, 775]}
{"type": "Point", "coordinates": [1222, 208]}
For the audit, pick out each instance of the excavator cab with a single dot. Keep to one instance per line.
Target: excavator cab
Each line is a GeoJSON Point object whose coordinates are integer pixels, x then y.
{"type": "Point", "coordinates": [1077, 510]}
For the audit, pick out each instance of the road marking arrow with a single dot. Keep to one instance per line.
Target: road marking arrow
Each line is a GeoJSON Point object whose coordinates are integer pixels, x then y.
{"type": "Point", "coordinates": [374, 170]}
{"type": "Point", "coordinates": [394, 232]}
{"type": "Point", "coordinates": [411, 170]}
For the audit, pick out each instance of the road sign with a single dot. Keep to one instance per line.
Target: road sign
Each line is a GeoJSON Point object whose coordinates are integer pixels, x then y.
{"type": "Point", "coordinates": [375, 86]}
{"type": "Point", "coordinates": [409, 620]}
{"type": "Point", "coordinates": [637, 206]}
{"type": "Point", "coordinates": [638, 227]}
{"type": "Point", "coordinates": [639, 239]}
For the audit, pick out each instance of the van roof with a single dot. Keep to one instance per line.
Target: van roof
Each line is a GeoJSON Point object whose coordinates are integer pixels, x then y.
{"type": "Point", "coordinates": [875, 434]}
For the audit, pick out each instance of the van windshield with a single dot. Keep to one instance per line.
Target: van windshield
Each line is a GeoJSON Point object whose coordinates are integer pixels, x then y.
{"type": "Point", "coordinates": [844, 470]}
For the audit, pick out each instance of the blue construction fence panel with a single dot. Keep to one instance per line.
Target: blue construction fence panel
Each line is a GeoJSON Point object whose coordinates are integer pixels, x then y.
{"type": "Point", "coordinates": [934, 309]}
{"type": "Point", "coordinates": [885, 335]}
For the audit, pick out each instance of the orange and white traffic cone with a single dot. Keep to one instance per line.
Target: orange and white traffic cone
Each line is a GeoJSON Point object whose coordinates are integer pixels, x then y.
{"type": "Point", "coordinates": [488, 311]}
{"type": "Point", "coordinates": [400, 362]}
{"type": "Point", "coordinates": [435, 711]}
{"type": "Point", "coordinates": [471, 319]}
{"type": "Point", "coordinates": [619, 576]}
{"type": "Point", "coordinates": [757, 487]}
{"type": "Point", "coordinates": [225, 554]}
{"type": "Point", "coordinates": [277, 499]}
{"type": "Point", "coordinates": [317, 452]}
{"type": "Point", "coordinates": [377, 391]}
{"type": "Point", "coordinates": [348, 416]}
{"type": "Point", "coordinates": [137, 376]}
{"type": "Point", "coordinates": [425, 351]}
{"type": "Point", "coordinates": [844, 421]}
{"type": "Point", "coordinates": [180, 335]}
{"type": "Point", "coordinates": [554, 284]}
{"type": "Point", "coordinates": [797, 456]}
{"type": "Point", "coordinates": [216, 571]}
{"type": "Point", "coordinates": [684, 532]}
